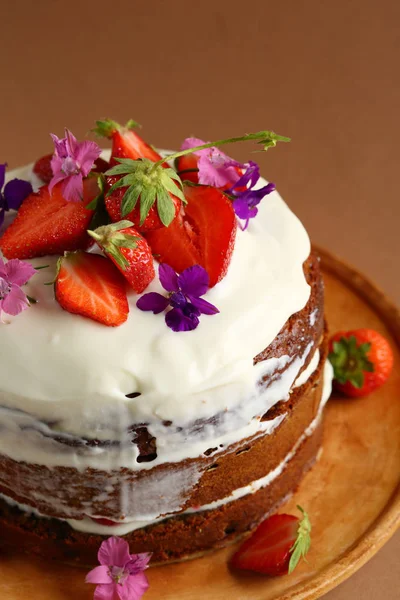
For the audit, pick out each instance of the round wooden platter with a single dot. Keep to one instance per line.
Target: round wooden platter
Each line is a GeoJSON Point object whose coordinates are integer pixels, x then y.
{"type": "Point", "coordinates": [352, 494]}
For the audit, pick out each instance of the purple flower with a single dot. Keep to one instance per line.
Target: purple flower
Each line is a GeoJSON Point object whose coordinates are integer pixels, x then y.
{"type": "Point", "coordinates": [15, 191]}
{"type": "Point", "coordinates": [120, 574]}
{"type": "Point", "coordinates": [72, 160]}
{"type": "Point", "coordinates": [215, 167]}
{"type": "Point", "coordinates": [14, 274]}
{"type": "Point", "coordinates": [184, 293]}
{"type": "Point", "coordinates": [245, 198]}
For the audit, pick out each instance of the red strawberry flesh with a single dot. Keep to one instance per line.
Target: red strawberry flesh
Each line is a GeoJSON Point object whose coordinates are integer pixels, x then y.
{"type": "Point", "coordinates": [89, 285]}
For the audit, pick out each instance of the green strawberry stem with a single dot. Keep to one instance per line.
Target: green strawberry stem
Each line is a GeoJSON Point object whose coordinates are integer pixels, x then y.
{"type": "Point", "coordinates": [268, 139]}
{"type": "Point", "coordinates": [303, 541]}
{"type": "Point", "coordinates": [350, 361]}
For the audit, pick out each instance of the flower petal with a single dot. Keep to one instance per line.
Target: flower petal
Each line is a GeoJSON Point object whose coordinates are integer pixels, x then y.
{"type": "Point", "coordinates": [249, 177]}
{"type": "Point", "coordinates": [134, 587]}
{"type": "Point", "coordinates": [60, 146]}
{"type": "Point", "coordinates": [191, 142]}
{"type": "Point", "coordinates": [194, 281]}
{"type": "Point", "coordinates": [153, 301]}
{"type": "Point", "coordinates": [3, 168]}
{"type": "Point", "coordinates": [15, 192]}
{"type": "Point", "coordinates": [85, 155]}
{"type": "Point", "coordinates": [214, 171]}
{"type": "Point", "coordinates": [71, 143]}
{"type": "Point", "coordinates": [18, 271]}
{"type": "Point", "coordinates": [114, 551]}
{"type": "Point", "coordinates": [168, 278]}
{"type": "Point", "coordinates": [242, 209]}
{"type": "Point", "coordinates": [72, 188]}
{"type": "Point", "coordinates": [106, 591]}
{"type": "Point", "coordinates": [3, 270]}
{"type": "Point", "coordinates": [15, 301]}
{"type": "Point", "coordinates": [99, 574]}
{"type": "Point", "coordinates": [206, 308]}
{"type": "Point", "coordinates": [177, 321]}
{"type": "Point", "coordinates": [138, 562]}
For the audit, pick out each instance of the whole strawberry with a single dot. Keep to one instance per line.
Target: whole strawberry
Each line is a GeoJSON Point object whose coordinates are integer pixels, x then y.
{"type": "Point", "coordinates": [362, 361]}
{"type": "Point", "coordinates": [128, 250]}
{"type": "Point", "coordinates": [276, 546]}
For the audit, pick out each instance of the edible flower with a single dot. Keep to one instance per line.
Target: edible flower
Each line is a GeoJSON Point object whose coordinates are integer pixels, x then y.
{"type": "Point", "coordinates": [15, 191]}
{"type": "Point", "coordinates": [245, 198]}
{"type": "Point", "coordinates": [120, 574]}
{"type": "Point", "coordinates": [184, 297]}
{"type": "Point", "coordinates": [215, 167]}
{"type": "Point", "coordinates": [152, 182]}
{"type": "Point", "coordinates": [14, 274]}
{"type": "Point", "coordinates": [72, 160]}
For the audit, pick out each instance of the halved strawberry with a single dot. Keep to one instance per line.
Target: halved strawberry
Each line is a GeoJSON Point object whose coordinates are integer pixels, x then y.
{"type": "Point", "coordinates": [48, 224]}
{"type": "Point", "coordinates": [129, 251]}
{"type": "Point", "coordinates": [126, 143]}
{"type": "Point", "coordinates": [276, 546]}
{"type": "Point", "coordinates": [187, 167]}
{"type": "Point", "coordinates": [203, 235]}
{"type": "Point", "coordinates": [89, 285]}
{"type": "Point", "coordinates": [113, 204]}
{"type": "Point", "coordinates": [42, 167]}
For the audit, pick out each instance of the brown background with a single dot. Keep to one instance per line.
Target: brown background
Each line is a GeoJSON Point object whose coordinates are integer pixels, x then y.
{"type": "Point", "coordinates": [324, 73]}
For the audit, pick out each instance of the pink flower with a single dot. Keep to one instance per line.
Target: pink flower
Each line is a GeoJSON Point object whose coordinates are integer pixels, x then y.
{"type": "Point", "coordinates": [120, 574]}
{"type": "Point", "coordinates": [215, 167]}
{"type": "Point", "coordinates": [14, 274]}
{"type": "Point", "coordinates": [72, 160]}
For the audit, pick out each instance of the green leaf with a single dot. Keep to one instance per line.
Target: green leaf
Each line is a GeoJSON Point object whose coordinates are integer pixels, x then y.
{"type": "Point", "coordinates": [130, 199]}
{"type": "Point", "coordinates": [350, 361]}
{"type": "Point", "coordinates": [147, 199]}
{"type": "Point", "coordinates": [41, 267]}
{"type": "Point", "coordinates": [303, 541]}
{"type": "Point", "coordinates": [165, 207]}
{"type": "Point", "coordinates": [123, 182]}
{"type": "Point", "coordinates": [170, 186]}
{"type": "Point", "coordinates": [106, 127]}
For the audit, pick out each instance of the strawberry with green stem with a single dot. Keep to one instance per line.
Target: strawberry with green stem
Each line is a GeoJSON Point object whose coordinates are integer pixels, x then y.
{"type": "Point", "coordinates": [129, 252]}
{"type": "Point", "coordinates": [362, 361]}
{"type": "Point", "coordinates": [277, 545]}
{"type": "Point", "coordinates": [144, 214]}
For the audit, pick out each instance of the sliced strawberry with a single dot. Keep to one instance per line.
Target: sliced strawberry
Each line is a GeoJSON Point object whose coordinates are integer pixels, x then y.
{"type": "Point", "coordinates": [114, 202]}
{"type": "Point", "coordinates": [276, 546]}
{"type": "Point", "coordinates": [89, 285]}
{"type": "Point", "coordinates": [204, 235]}
{"type": "Point", "coordinates": [187, 168]}
{"type": "Point", "coordinates": [42, 167]}
{"type": "Point", "coordinates": [129, 251]}
{"type": "Point", "coordinates": [48, 224]}
{"type": "Point", "coordinates": [126, 143]}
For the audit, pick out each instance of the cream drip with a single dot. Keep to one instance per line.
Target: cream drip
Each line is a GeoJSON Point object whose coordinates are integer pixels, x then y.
{"type": "Point", "coordinates": [87, 525]}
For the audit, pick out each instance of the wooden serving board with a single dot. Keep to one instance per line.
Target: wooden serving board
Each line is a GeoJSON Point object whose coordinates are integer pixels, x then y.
{"type": "Point", "coordinates": [352, 495]}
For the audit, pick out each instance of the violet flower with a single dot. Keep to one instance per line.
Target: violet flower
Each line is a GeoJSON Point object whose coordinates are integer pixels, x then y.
{"type": "Point", "coordinates": [245, 198]}
{"type": "Point", "coordinates": [14, 274]}
{"type": "Point", "coordinates": [120, 574]}
{"type": "Point", "coordinates": [215, 167]}
{"type": "Point", "coordinates": [72, 160]}
{"type": "Point", "coordinates": [184, 293]}
{"type": "Point", "coordinates": [14, 193]}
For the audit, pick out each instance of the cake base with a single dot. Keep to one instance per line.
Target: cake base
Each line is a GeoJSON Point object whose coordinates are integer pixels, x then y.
{"type": "Point", "coordinates": [168, 540]}
{"type": "Point", "coordinates": [352, 494]}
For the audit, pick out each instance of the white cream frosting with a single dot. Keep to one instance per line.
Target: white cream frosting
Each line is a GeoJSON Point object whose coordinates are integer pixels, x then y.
{"type": "Point", "coordinates": [74, 373]}
{"type": "Point", "coordinates": [140, 520]}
